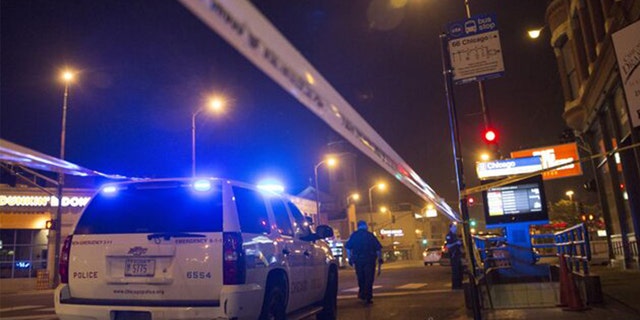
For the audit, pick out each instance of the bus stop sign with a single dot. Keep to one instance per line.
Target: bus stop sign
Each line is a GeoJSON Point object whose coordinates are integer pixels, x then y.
{"type": "Point", "coordinates": [474, 49]}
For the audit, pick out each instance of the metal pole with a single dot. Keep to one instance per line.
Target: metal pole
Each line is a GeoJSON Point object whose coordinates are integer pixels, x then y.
{"type": "Point", "coordinates": [481, 90]}
{"type": "Point", "coordinates": [371, 209]}
{"type": "Point", "coordinates": [58, 219]}
{"type": "Point", "coordinates": [315, 178]}
{"type": "Point", "coordinates": [193, 144]}
{"type": "Point", "coordinates": [455, 142]}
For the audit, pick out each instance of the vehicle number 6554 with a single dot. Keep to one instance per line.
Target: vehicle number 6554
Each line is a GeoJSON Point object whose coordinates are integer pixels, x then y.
{"type": "Point", "coordinates": [198, 275]}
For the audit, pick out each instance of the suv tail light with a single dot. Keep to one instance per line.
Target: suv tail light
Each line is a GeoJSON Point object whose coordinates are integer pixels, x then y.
{"type": "Point", "coordinates": [63, 266]}
{"type": "Point", "coordinates": [234, 265]}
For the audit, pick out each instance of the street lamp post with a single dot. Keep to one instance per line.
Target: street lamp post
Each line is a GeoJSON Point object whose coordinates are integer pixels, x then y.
{"type": "Point", "coordinates": [67, 76]}
{"type": "Point", "coordinates": [380, 186]}
{"type": "Point", "coordinates": [351, 218]}
{"type": "Point", "coordinates": [330, 161]}
{"type": "Point", "coordinates": [214, 105]}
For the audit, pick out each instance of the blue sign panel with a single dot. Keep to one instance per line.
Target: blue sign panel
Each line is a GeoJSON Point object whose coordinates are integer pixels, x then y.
{"type": "Point", "coordinates": [508, 167]}
{"type": "Point", "coordinates": [475, 25]}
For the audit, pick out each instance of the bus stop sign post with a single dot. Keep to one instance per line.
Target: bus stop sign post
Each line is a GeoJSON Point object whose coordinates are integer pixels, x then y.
{"type": "Point", "coordinates": [455, 143]}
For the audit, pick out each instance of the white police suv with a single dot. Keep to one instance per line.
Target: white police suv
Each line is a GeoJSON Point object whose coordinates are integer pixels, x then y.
{"type": "Point", "coordinates": [194, 249]}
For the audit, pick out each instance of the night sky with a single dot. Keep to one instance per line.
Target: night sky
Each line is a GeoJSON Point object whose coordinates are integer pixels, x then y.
{"type": "Point", "coordinates": [146, 65]}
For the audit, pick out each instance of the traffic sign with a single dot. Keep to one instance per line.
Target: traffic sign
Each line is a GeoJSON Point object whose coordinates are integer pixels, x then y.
{"type": "Point", "coordinates": [474, 49]}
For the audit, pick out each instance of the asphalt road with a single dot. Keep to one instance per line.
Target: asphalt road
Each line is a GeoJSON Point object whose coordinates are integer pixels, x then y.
{"type": "Point", "coordinates": [404, 290]}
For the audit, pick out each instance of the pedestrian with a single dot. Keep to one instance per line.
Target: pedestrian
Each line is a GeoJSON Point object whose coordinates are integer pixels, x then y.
{"type": "Point", "coordinates": [363, 250]}
{"type": "Point", "coordinates": [454, 247]}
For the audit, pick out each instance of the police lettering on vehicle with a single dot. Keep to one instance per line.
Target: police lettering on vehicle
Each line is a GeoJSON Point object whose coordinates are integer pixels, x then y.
{"type": "Point", "coordinates": [85, 275]}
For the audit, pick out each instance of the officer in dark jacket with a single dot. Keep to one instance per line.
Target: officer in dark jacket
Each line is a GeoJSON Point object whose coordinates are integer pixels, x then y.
{"type": "Point", "coordinates": [454, 246]}
{"type": "Point", "coordinates": [363, 250]}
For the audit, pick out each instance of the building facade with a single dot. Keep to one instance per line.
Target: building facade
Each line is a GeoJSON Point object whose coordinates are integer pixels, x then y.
{"type": "Point", "coordinates": [26, 242]}
{"type": "Point", "coordinates": [405, 231]}
{"type": "Point", "coordinates": [596, 109]}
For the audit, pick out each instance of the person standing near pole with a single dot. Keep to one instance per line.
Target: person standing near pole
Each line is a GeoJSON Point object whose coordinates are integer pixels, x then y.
{"type": "Point", "coordinates": [454, 247]}
{"type": "Point", "coordinates": [363, 250]}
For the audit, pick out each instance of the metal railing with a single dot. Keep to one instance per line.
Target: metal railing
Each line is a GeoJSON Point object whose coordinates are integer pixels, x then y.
{"type": "Point", "coordinates": [490, 253]}
{"type": "Point", "coordinates": [543, 245]}
{"type": "Point", "coordinates": [616, 243]}
{"type": "Point", "coordinates": [573, 246]}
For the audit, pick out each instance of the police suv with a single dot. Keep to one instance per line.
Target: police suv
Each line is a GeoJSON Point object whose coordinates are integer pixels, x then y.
{"type": "Point", "coordinates": [194, 249]}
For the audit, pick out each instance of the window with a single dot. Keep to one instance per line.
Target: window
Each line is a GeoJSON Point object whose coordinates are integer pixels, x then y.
{"type": "Point", "coordinates": [252, 211]}
{"type": "Point", "coordinates": [301, 224]}
{"type": "Point", "coordinates": [282, 217]}
{"type": "Point", "coordinates": [154, 208]}
{"type": "Point", "coordinates": [570, 69]}
{"type": "Point", "coordinates": [22, 252]}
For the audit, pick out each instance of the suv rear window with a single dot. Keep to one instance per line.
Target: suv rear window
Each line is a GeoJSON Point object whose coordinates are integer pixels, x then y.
{"type": "Point", "coordinates": [252, 211]}
{"type": "Point", "coordinates": [175, 208]}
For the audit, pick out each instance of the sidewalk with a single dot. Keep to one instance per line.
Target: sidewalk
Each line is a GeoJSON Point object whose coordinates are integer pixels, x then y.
{"type": "Point", "coordinates": [622, 286]}
{"type": "Point", "coordinates": [620, 289]}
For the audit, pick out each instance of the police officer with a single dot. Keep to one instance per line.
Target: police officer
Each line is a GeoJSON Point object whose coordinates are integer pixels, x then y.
{"type": "Point", "coordinates": [454, 247]}
{"type": "Point", "coordinates": [363, 250]}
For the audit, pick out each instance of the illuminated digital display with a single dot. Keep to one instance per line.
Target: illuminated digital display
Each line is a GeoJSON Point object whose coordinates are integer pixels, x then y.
{"type": "Point", "coordinates": [517, 202]}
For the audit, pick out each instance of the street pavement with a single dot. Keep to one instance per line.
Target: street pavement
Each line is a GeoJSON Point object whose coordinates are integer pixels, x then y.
{"type": "Point", "coordinates": [401, 295]}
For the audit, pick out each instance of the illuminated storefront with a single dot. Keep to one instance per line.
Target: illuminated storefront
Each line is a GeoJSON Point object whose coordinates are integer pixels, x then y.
{"type": "Point", "coordinates": [26, 245]}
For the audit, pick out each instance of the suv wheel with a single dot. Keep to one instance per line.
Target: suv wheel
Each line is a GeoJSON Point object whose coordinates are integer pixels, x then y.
{"type": "Point", "coordinates": [273, 307]}
{"type": "Point", "coordinates": [330, 302]}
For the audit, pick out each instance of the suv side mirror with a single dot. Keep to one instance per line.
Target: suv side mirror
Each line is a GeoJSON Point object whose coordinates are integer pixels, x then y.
{"type": "Point", "coordinates": [324, 231]}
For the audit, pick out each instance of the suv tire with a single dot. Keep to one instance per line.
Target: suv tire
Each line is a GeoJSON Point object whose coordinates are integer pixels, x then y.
{"type": "Point", "coordinates": [273, 307]}
{"type": "Point", "coordinates": [330, 301]}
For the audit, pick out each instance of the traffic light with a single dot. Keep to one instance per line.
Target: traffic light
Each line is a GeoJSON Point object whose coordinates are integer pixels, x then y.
{"type": "Point", "coordinates": [471, 201]}
{"type": "Point", "coordinates": [472, 222]}
{"type": "Point", "coordinates": [490, 136]}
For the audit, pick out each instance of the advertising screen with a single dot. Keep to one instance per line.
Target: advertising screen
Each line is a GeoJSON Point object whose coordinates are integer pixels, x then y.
{"type": "Point", "coordinates": [522, 201]}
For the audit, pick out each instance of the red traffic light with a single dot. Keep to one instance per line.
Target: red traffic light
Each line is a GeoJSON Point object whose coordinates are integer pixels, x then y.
{"type": "Point", "coordinates": [470, 201]}
{"type": "Point", "coordinates": [490, 136]}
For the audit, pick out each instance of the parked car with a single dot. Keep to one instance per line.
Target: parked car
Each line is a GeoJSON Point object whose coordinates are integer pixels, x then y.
{"type": "Point", "coordinates": [194, 248]}
{"type": "Point", "coordinates": [432, 255]}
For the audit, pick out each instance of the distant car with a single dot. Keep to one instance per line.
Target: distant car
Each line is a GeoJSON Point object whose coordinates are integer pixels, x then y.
{"type": "Point", "coordinates": [432, 255]}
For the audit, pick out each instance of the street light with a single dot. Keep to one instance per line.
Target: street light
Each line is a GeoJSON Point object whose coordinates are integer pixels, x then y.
{"type": "Point", "coordinates": [430, 211]}
{"type": "Point", "coordinates": [330, 161]}
{"type": "Point", "coordinates": [67, 76]}
{"type": "Point", "coordinates": [535, 33]}
{"type": "Point", "coordinates": [354, 196]}
{"type": "Point", "coordinates": [570, 194]}
{"type": "Point", "coordinates": [215, 105]}
{"type": "Point", "coordinates": [381, 186]}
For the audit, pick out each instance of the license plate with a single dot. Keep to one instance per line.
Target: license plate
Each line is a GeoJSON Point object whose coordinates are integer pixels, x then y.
{"type": "Point", "coordinates": [140, 268]}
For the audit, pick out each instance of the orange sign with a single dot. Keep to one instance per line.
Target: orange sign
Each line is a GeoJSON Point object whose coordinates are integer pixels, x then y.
{"type": "Point", "coordinates": [553, 156]}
